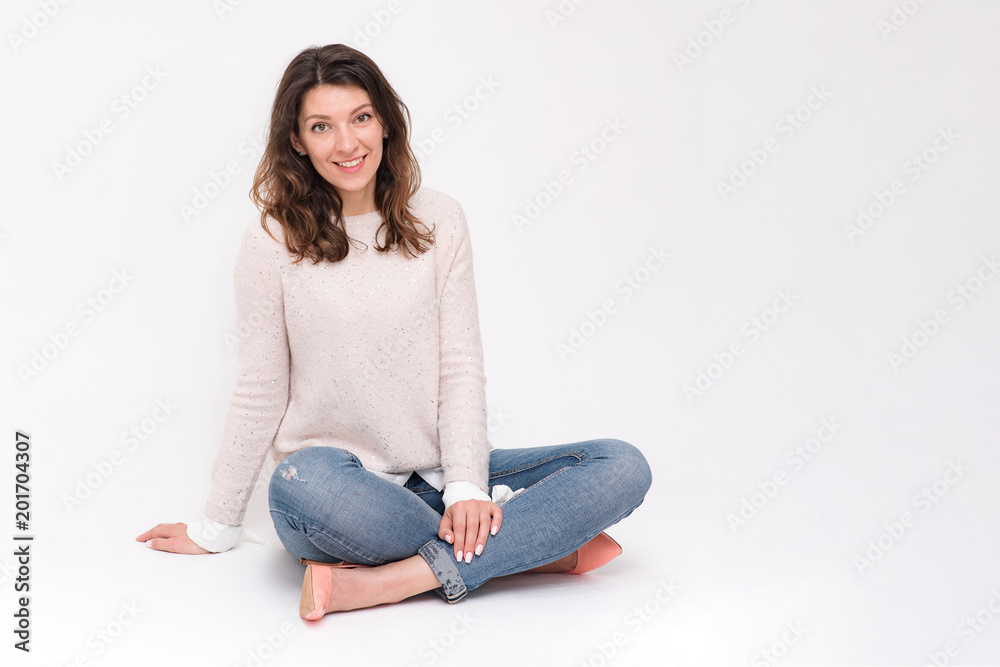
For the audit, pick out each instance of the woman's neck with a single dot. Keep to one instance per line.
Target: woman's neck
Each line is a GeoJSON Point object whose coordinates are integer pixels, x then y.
{"type": "Point", "coordinates": [358, 203]}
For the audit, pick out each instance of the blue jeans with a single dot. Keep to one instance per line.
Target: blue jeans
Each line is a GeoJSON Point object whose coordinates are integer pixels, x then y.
{"type": "Point", "coordinates": [326, 506]}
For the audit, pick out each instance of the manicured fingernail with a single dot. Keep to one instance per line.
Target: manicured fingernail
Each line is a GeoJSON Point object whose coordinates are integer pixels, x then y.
{"type": "Point", "coordinates": [479, 549]}
{"type": "Point", "coordinates": [459, 556]}
{"type": "Point", "coordinates": [468, 557]}
{"type": "Point", "coordinates": [447, 538]}
{"type": "Point", "coordinates": [494, 529]}
{"type": "Point", "coordinates": [149, 544]}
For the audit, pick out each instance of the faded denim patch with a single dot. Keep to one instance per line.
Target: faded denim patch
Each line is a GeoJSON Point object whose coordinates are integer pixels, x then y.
{"type": "Point", "coordinates": [445, 569]}
{"type": "Point", "coordinates": [289, 473]}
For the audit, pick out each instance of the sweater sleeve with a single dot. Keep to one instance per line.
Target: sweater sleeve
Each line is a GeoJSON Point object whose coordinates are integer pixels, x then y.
{"type": "Point", "coordinates": [462, 391]}
{"type": "Point", "coordinates": [260, 393]}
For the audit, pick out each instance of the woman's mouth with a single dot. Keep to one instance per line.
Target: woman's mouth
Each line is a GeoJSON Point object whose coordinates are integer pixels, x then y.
{"type": "Point", "coordinates": [352, 165]}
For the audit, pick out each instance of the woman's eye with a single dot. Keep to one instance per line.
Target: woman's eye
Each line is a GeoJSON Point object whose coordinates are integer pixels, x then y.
{"type": "Point", "coordinates": [319, 126]}
{"type": "Point", "coordinates": [364, 116]}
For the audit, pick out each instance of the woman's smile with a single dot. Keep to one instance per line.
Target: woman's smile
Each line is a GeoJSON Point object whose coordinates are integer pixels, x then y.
{"type": "Point", "coordinates": [351, 166]}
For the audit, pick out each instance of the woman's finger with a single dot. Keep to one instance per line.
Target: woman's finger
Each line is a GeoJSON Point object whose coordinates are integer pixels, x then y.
{"type": "Point", "coordinates": [497, 514]}
{"type": "Point", "coordinates": [156, 543]}
{"type": "Point", "coordinates": [458, 524]}
{"type": "Point", "coordinates": [159, 530]}
{"type": "Point", "coordinates": [177, 545]}
{"type": "Point", "coordinates": [473, 519]}
{"type": "Point", "coordinates": [172, 538]}
{"type": "Point", "coordinates": [445, 529]}
{"type": "Point", "coordinates": [484, 529]}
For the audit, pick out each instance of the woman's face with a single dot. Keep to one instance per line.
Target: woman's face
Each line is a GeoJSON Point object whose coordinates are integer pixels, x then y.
{"type": "Point", "coordinates": [340, 134]}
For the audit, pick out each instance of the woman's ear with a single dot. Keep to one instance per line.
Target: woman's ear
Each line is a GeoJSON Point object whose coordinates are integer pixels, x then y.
{"type": "Point", "coordinates": [296, 144]}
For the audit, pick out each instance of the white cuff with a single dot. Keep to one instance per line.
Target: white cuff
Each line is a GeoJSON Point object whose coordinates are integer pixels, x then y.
{"type": "Point", "coordinates": [462, 490]}
{"type": "Point", "coordinates": [502, 494]}
{"type": "Point", "coordinates": [212, 535]}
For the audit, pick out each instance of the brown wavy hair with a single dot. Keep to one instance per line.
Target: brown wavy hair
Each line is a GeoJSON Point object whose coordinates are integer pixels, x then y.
{"type": "Point", "coordinates": [288, 188]}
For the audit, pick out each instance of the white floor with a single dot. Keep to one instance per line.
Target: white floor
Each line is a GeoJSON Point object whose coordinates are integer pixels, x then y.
{"type": "Point", "coordinates": [686, 591]}
{"type": "Point", "coordinates": [882, 548]}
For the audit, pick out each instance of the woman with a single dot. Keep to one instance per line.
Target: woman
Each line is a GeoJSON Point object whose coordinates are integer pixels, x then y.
{"type": "Point", "coordinates": [362, 375]}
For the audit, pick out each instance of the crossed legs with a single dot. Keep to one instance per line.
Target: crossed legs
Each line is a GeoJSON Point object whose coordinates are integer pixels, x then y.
{"type": "Point", "coordinates": [326, 506]}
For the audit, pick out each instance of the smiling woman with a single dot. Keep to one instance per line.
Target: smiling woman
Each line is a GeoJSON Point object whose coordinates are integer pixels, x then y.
{"type": "Point", "coordinates": [345, 151]}
{"type": "Point", "coordinates": [334, 106]}
{"type": "Point", "coordinates": [361, 373]}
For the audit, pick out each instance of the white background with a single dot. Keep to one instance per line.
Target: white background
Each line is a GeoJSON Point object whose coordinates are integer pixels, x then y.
{"type": "Point", "coordinates": [815, 552]}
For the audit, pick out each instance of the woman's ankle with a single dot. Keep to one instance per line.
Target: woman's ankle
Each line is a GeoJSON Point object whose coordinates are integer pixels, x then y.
{"type": "Point", "coordinates": [384, 584]}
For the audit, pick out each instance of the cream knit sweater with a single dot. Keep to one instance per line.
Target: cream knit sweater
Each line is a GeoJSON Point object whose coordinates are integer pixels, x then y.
{"type": "Point", "coordinates": [379, 354]}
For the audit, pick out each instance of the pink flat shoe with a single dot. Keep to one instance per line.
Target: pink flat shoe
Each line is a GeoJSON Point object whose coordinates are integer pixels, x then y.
{"type": "Point", "coordinates": [595, 553]}
{"type": "Point", "coordinates": [339, 563]}
{"type": "Point", "coordinates": [316, 587]}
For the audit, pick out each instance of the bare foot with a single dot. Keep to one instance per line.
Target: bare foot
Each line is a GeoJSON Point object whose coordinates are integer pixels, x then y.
{"type": "Point", "coordinates": [326, 589]}
{"type": "Point", "coordinates": [316, 589]}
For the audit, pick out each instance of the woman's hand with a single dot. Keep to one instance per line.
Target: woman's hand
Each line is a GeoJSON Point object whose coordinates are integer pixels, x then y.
{"type": "Point", "coordinates": [171, 537]}
{"type": "Point", "coordinates": [467, 524]}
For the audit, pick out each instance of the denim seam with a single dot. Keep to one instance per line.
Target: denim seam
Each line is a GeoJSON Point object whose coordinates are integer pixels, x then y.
{"type": "Point", "coordinates": [542, 561]}
{"type": "Point", "coordinates": [578, 455]}
{"type": "Point", "coordinates": [310, 529]}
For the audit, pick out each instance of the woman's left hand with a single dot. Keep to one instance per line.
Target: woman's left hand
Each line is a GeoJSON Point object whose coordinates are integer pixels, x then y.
{"type": "Point", "coordinates": [467, 524]}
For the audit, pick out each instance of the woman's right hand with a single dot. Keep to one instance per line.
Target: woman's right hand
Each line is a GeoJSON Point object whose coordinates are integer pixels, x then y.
{"type": "Point", "coordinates": [467, 525]}
{"type": "Point", "coordinates": [171, 537]}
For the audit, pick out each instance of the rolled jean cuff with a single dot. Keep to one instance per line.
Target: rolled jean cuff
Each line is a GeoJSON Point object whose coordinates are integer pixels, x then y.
{"type": "Point", "coordinates": [445, 569]}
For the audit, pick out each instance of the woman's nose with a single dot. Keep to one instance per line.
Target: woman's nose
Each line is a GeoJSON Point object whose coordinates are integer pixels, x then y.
{"type": "Point", "coordinates": [345, 141]}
